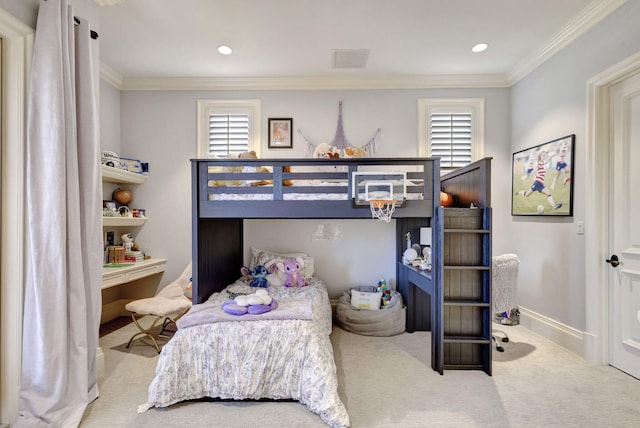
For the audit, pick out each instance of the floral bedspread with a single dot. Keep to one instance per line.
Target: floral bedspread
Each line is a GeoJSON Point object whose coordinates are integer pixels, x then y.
{"type": "Point", "coordinates": [276, 359]}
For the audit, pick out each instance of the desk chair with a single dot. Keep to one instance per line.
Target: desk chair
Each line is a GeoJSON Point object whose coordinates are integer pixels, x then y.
{"type": "Point", "coordinates": [504, 294]}
{"type": "Point", "coordinates": [167, 306]}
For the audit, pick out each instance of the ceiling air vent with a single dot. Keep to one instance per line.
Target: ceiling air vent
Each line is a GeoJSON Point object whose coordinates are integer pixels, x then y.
{"type": "Point", "coordinates": [108, 2]}
{"type": "Point", "coordinates": [350, 58]}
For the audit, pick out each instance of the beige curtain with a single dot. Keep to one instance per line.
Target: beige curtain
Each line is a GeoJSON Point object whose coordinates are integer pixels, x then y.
{"type": "Point", "coordinates": [64, 240]}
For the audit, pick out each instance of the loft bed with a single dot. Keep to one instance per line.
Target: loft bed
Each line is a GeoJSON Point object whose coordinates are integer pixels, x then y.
{"type": "Point", "coordinates": [217, 240]}
{"type": "Point", "coordinates": [452, 301]}
{"type": "Point", "coordinates": [319, 188]}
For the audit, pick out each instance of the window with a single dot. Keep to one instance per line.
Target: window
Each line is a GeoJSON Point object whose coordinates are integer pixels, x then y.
{"type": "Point", "coordinates": [227, 127]}
{"type": "Point", "coordinates": [451, 129]}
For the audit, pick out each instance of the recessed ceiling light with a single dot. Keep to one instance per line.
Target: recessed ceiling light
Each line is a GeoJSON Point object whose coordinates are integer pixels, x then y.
{"type": "Point", "coordinates": [224, 50]}
{"type": "Point", "coordinates": [479, 47]}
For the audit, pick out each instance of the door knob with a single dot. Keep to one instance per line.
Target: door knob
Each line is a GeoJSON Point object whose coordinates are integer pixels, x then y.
{"type": "Point", "coordinates": [613, 261]}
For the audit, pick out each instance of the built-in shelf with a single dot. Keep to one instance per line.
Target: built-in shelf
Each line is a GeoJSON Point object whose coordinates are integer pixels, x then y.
{"type": "Point", "coordinates": [112, 276]}
{"type": "Point", "coordinates": [424, 272]}
{"type": "Point", "coordinates": [115, 291]}
{"type": "Point", "coordinates": [116, 175]}
{"type": "Point", "coordinates": [123, 221]}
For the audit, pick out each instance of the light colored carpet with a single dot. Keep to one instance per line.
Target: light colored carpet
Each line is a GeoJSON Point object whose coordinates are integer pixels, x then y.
{"type": "Point", "coordinates": [387, 382]}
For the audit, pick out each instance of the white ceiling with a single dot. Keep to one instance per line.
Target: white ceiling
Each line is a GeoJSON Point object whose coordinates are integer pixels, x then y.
{"type": "Point", "coordinates": [277, 39]}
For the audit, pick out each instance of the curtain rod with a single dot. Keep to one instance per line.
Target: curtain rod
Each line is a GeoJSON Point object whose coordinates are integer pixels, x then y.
{"type": "Point", "coordinates": [94, 35]}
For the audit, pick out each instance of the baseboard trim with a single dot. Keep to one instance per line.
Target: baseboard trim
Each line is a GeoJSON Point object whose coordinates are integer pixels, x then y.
{"type": "Point", "coordinates": [557, 332]}
{"type": "Point", "coordinates": [567, 337]}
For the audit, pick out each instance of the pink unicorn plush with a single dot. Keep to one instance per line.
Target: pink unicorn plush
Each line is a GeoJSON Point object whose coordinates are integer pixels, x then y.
{"type": "Point", "coordinates": [292, 268]}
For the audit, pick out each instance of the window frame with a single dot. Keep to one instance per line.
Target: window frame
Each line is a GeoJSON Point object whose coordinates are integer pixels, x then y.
{"type": "Point", "coordinates": [429, 106]}
{"type": "Point", "coordinates": [207, 107]}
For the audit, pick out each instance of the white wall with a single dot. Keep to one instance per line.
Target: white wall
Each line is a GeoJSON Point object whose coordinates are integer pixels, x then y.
{"type": "Point", "coordinates": [547, 104]}
{"type": "Point", "coordinates": [364, 252]}
{"type": "Point", "coordinates": [25, 10]}
{"type": "Point", "coordinates": [159, 127]}
{"type": "Point", "coordinates": [109, 117]}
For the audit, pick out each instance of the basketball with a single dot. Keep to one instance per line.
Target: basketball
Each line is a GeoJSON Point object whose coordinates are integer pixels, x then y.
{"type": "Point", "coordinates": [446, 200]}
{"type": "Point", "coordinates": [540, 209]}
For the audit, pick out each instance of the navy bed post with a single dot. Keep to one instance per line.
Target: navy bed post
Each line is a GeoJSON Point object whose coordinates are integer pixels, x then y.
{"type": "Point", "coordinates": [216, 243]}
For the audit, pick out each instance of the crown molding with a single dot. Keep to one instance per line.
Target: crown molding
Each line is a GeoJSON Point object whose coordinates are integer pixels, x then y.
{"type": "Point", "coordinates": [587, 18]}
{"type": "Point", "coordinates": [313, 83]}
{"type": "Point", "coordinates": [111, 76]}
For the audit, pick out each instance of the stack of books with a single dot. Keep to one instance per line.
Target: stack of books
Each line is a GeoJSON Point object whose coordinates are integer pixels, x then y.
{"type": "Point", "coordinates": [114, 254]}
{"type": "Point", "coordinates": [133, 256]}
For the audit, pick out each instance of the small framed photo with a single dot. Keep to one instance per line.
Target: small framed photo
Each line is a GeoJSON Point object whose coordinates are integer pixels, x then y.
{"type": "Point", "coordinates": [138, 213]}
{"type": "Point", "coordinates": [280, 133]}
{"type": "Point", "coordinates": [109, 238]}
{"type": "Point", "coordinates": [110, 205]}
{"type": "Point", "coordinates": [542, 179]}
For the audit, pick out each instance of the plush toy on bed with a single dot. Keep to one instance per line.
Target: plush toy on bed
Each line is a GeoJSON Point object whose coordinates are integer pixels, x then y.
{"type": "Point", "coordinates": [254, 304]}
{"type": "Point", "coordinates": [292, 269]}
{"type": "Point", "coordinates": [259, 275]}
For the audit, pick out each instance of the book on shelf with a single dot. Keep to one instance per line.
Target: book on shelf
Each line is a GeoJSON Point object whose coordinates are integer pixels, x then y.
{"type": "Point", "coordinates": [114, 254]}
{"type": "Point", "coordinates": [133, 256]}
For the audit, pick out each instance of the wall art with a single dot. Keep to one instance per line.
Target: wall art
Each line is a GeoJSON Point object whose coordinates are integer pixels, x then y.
{"type": "Point", "coordinates": [542, 179]}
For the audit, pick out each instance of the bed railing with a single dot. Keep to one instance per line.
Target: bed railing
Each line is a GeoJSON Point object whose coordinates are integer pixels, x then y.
{"type": "Point", "coordinates": [306, 188]}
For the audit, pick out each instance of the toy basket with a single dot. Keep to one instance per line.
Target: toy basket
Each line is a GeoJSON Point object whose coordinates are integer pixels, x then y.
{"type": "Point", "coordinates": [390, 320]}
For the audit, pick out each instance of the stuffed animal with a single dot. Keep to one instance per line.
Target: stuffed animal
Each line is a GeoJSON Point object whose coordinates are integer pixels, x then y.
{"type": "Point", "coordinates": [127, 241]}
{"type": "Point", "coordinates": [354, 152]}
{"type": "Point", "coordinates": [253, 304]}
{"type": "Point", "coordinates": [325, 150]}
{"type": "Point", "coordinates": [259, 275]}
{"type": "Point", "coordinates": [244, 155]}
{"type": "Point", "coordinates": [251, 154]}
{"type": "Point", "coordinates": [292, 269]}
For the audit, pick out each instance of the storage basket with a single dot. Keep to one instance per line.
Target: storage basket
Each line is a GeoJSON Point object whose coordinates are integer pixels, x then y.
{"type": "Point", "coordinates": [390, 320]}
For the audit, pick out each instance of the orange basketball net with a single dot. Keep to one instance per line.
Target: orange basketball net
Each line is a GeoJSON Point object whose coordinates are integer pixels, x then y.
{"type": "Point", "coordinates": [382, 209]}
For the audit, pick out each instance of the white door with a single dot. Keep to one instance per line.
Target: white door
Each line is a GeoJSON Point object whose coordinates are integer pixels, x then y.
{"type": "Point", "coordinates": [624, 280]}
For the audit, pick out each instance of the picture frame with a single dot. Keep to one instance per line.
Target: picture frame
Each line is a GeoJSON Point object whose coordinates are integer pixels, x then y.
{"type": "Point", "coordinates": [110, 205]}
{"type": "Point", "coordinates": [138, 213]}
{"type": "Point", "coordinates": [542, 179]}
{"type": "Point", "coordinates": [280, 133]}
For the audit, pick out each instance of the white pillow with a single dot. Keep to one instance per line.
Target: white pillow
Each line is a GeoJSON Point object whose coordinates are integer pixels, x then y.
{"type": "Point", "coordinates": [255, 252]}
{"type": "Point", "coordinates": [267, 259]}
{"type": "Point", "coordinates": [276, 278]}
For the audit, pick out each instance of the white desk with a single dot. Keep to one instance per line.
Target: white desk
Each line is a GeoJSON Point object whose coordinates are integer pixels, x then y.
{"type": "Point", "coordinates": [113, 304]}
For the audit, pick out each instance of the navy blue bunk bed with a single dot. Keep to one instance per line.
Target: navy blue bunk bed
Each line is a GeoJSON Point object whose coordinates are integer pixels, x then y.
{"type": "Point", "coordinates": [220, 206]}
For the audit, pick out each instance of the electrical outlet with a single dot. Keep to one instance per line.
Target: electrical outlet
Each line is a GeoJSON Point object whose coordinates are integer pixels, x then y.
{"type": "Point", "coordinates": [580, 227]}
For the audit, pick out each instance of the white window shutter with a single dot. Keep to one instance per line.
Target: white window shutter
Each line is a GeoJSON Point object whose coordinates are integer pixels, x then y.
{"type": "Point", "coordinates": [450, 138]}
{"type": "Point", "coordinates": [228, 134]}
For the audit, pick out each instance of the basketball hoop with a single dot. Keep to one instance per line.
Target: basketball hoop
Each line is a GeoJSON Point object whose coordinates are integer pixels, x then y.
{"type": "Point", "coordinates": [382, 209]}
